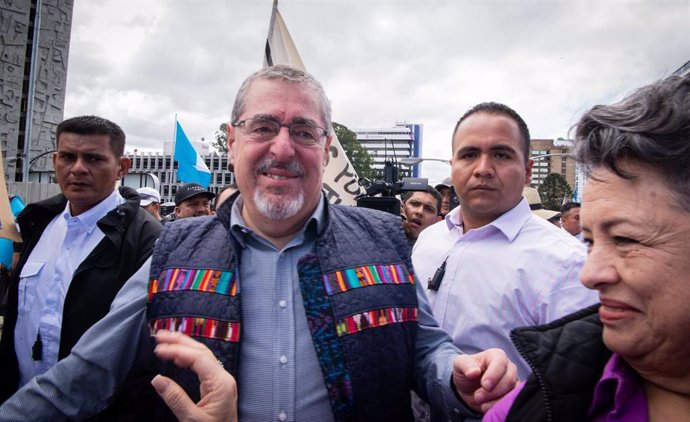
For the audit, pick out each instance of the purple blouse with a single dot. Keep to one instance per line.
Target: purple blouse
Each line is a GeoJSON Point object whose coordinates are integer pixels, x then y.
{"type": "Point", "coordinates": [618, 397]}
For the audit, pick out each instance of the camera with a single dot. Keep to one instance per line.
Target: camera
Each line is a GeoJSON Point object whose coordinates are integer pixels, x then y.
{"type": "Point", "coordinates": [380, 194]}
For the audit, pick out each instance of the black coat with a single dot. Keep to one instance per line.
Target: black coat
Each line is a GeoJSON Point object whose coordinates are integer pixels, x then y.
{"type": "Point", "coordinates": [130, 233]}
{"type": "Point", "coordinates": [567, 357]}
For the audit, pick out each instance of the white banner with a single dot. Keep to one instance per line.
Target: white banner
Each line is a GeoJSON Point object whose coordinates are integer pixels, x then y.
{"type": "Point", "coordinates": [340, 178]}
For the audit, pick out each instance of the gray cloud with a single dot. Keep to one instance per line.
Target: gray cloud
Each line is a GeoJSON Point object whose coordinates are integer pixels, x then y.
{"type": "Point", "coordinates": [140, 63]}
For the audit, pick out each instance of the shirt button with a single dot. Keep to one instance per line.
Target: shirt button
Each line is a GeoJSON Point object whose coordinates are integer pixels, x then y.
{"type": "Point", "coordinates": [282, 303]}
{"type": "Point", "coordinates": [282, 416]}
{"type": "Point", "coordinates": [282, 359]}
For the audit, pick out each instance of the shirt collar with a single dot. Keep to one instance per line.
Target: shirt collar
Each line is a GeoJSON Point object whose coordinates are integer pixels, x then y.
{"type": "Point", "coordinates": [239, 228]}
{"type": "Point", "coordinates": [88, 219]}
{"type": "Point", "coordinates": [619, 390]}
{"type": "Point", "coordinates": [509, 223]}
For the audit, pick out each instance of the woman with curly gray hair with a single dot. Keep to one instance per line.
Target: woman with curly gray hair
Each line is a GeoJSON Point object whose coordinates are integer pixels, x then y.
{"type": "Point", "coordinates": [627, 359]}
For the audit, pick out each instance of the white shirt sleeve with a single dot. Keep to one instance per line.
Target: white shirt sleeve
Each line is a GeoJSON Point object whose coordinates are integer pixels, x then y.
{"type": "Point", "coordinates": [81, 385]}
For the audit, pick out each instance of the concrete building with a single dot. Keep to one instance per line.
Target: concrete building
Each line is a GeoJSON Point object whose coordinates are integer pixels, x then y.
{"type": "Point", "coordinates": [153, 169]}
{"type": "Point", "coordinates": [390, 144]}
{"type": "Point", "coordinates": [553, 156]}
{"type": "Point", "coordinates": [35, 38]}
{"type": "Point", "coordinates": [164, 168]}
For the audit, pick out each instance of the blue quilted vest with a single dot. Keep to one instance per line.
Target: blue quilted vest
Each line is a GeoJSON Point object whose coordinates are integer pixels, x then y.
{"type": "Point", "coordinates": [359, 295]}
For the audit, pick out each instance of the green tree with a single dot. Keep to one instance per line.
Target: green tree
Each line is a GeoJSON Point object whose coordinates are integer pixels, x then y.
{"type": "Point", "coordinates": [358, 155]}
{"type": "Point", "coordinates": [220, 144]}
{"type": "Point", "coordinates": [552, 191]}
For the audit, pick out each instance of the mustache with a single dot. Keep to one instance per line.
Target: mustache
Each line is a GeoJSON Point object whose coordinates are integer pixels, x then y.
{"type": "Point", "coordinates": [292, 166]}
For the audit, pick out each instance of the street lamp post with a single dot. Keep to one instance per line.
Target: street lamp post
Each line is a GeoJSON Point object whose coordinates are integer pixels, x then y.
{"type": "Point", "coordinates": [555, 154]}
{"type": "Point", "coordinates": [578, 176]}
{"type": "Point", "coordinates": [30, 164]}
{"type": "Point", "coordinates": [414, 161]}
{"type": "Point", "coordinates": [411, 161]}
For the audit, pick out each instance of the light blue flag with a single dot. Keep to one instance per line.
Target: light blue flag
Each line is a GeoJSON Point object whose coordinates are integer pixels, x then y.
{"type": "Point", "coordinates": [190, 166]}
{"type": "Point", "coordinates": [6, 249]}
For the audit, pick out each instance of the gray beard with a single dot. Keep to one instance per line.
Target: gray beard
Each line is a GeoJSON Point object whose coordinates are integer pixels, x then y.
{"type": "Point", "coordinates": [278, 210]}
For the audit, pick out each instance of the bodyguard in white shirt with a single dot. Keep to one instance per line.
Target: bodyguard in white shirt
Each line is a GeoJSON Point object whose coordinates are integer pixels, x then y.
{"type": "Point", "coordinates": [491, 265]}
{"type": "Point", "coordinates": [79, 248]}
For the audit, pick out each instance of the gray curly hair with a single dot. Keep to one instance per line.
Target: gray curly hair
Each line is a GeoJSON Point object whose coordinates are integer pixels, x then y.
{"type": "Point", "coordinates": [650, 126]}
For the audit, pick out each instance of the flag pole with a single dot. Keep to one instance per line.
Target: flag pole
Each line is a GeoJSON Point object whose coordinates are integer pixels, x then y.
{"type": "Point", "coordinates": [174, 137]}
{"type": "Point", "coordinates": [267, 53]}
{"type": "Point", "coordinates": [174, 148]}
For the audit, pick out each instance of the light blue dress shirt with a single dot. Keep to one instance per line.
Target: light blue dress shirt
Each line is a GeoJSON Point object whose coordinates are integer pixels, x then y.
{"type": "Point", "coordinates": [279, 370]}
{"type": "Point", "coordinates": [277, 344]}
{"type": "Point", "coordinates": [45, 279]}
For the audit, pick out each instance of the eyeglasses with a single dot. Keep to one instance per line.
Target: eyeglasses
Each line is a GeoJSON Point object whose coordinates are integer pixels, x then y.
{"type": "Point", "coordinates": [264, 130]}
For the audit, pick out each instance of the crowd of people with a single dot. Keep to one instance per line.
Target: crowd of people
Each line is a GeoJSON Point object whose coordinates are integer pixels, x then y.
{"type": "Point", "coordinates": [277, 305]}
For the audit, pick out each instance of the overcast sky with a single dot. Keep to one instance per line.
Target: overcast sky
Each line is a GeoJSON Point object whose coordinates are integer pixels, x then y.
{"type": "Point", "coordinates": [141, 62]}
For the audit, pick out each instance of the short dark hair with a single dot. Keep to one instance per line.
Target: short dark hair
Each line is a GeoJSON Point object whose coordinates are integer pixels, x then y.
{"type": "Point", "coordinates": [650, 126]}
{"type": "Point", "coordinates": [429, 189]}
{"type": "Point", "coordinates": [232, 185]}
{"type": "Point", "coordinates": [94, 125]}
{"type": "Point", "coordinates": [503, 110]}
{"type": "Point", "coordinates": [569, 206]}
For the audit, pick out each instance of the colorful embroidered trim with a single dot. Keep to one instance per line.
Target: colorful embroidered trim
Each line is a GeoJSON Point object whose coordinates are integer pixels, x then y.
{"type": "Point", "coordinates": [199, 327]}
{"type": "Point", "coordinates": [331, 355]}
{"type": "Point", "coordinates": [376, 318]}
{"type": "Point", "coordinates": [352, 278]}
{"type": "Point", "coordinates": [212, 281]}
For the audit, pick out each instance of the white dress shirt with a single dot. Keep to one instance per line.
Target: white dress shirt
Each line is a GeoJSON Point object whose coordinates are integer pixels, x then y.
{"type": "Point", "coordinates": [517, 270]}
{"type": "Point", "coordinates": [44, 281]}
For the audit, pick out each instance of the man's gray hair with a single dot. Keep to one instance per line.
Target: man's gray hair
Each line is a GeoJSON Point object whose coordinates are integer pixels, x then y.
{"type": "Point", "coordinates": [286, 74]}
{"type": "Point", "coordinates": [650, 126]}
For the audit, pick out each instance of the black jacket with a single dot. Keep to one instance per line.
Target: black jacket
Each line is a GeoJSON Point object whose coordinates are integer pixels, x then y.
{"type": "Point", "coordinates": [567, 358]}
{"type": "Point", "coordinates": [130, 233]}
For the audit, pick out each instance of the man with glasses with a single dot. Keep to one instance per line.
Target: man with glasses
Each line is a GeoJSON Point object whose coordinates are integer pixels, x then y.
{"type": "Point", "coordinates": [312, 307]}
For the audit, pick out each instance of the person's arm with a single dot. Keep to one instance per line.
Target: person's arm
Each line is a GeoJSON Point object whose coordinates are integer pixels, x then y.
{"type": "Point", "coordinates": [82, 384]}
{"type": "Point", "coordinates": [444, 374]}
{"type": "Point", "coordinates": [218, 388]}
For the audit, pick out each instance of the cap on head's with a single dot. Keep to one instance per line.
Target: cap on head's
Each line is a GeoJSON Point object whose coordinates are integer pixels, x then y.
{"type": "Point", "coordinates": [534, 201]}
{"type": "Point", "coordinates": [445, 183]}
{"type": "Point", "coordinates": [148, 195]}
{"type": "Point", "coordinates": [190, 190]}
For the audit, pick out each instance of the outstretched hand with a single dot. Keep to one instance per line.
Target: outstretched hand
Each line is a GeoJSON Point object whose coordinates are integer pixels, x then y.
{"type": "Point", "coordinates": [218, 389]}
{"type": "Point", "coordinates": [484, 378]}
